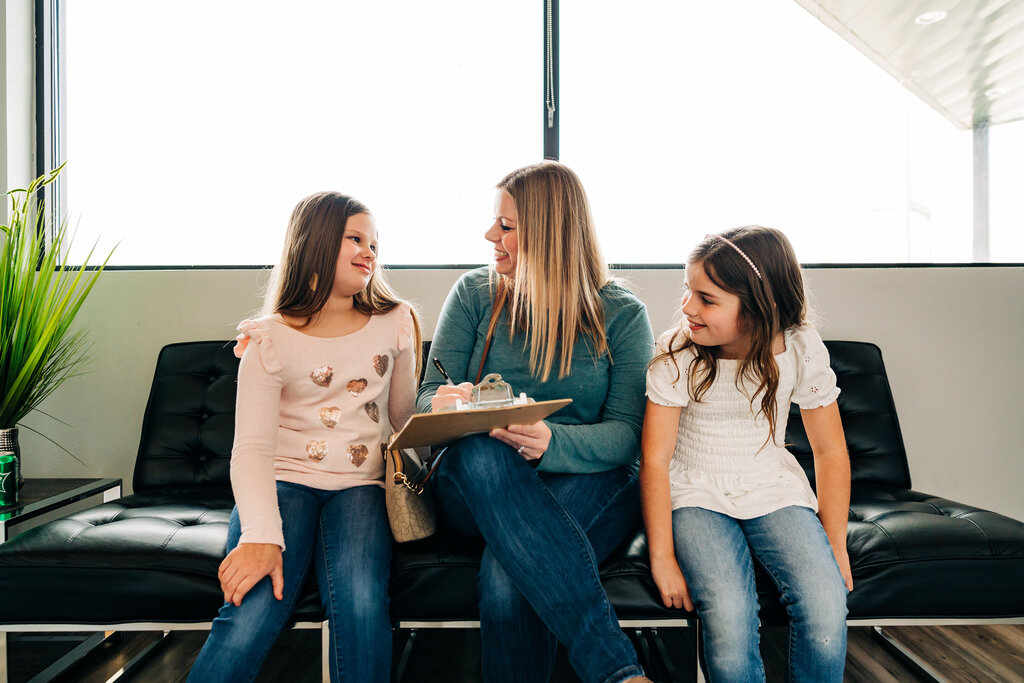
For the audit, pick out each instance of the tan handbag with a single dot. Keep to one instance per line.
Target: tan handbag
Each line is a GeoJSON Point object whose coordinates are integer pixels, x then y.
{"type": "Point", "coordinates": [410, 504]}
{"type": "Point", "coordinates": [410, 508]}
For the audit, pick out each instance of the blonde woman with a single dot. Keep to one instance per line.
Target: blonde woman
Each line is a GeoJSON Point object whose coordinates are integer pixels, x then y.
{"type": "Point", "coordinates": [552, 499]}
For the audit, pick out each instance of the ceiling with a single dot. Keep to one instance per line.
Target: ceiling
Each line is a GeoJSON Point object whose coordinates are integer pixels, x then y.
{"type": "Point", "coordinates": [968, 66]}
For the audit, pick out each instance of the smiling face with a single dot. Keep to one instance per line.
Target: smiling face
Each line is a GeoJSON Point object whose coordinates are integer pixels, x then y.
{"type": "Point", "coordinates": [712, 314]}
{"type": "Point", "coordinates": [357, 258]}
{"type": "Point", "coordinates": [503, 234]}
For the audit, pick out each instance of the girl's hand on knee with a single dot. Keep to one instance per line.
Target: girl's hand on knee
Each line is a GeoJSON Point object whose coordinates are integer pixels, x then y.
{"type": "Point", "coordinates": [530, 441]}
{"type": "Point", "coordinates": [668, 577]}
{"type": "Point", "coordinates": [446, 395]}
{"type": "Point", "coordinates": [246, 565]}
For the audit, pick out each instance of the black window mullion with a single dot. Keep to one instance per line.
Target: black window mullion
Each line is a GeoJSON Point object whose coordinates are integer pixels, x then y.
{"type": "Point", "coordinates": [551, 113]}
{"type": "Point", "coordinates": [51, 127]}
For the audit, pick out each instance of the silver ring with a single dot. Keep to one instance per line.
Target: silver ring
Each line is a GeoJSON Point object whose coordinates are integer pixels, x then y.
{"type": "Point", "coordinates": [521, 449]}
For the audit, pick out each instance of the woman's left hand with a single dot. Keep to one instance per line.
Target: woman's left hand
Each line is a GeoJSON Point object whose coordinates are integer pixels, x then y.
{"type": "Point", "coordinates": [530, 441]}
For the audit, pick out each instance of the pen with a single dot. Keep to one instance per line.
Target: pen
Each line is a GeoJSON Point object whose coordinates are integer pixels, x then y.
{"type": "Point", "coordinates": [440, 368]}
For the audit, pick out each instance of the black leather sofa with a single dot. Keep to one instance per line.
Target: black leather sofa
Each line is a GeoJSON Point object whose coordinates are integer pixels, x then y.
{"type": "Point", "coordinates": [149, 560]}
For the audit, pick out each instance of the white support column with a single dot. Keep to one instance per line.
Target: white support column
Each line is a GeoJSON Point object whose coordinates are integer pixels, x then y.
{"type": "Point", "coordinates": [3, 656]}
{"type": "Point", "coordinates": [981, 193]}
{"type": "Point", "coordinates": [325, 652]}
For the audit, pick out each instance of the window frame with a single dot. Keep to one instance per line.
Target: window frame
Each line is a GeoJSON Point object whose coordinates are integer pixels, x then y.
{"type": "Point", "coordinates": [51, 145]}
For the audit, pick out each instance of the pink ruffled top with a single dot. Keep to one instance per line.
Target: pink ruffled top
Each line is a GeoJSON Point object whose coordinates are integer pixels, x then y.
{"type": "Point", "coordinates": [720, 461]}
{"type": "Point", "coordinates": [316, 411]}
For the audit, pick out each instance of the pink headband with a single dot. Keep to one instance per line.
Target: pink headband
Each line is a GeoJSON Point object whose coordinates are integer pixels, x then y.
{"type": "Point", "coordinates": [740, 252]}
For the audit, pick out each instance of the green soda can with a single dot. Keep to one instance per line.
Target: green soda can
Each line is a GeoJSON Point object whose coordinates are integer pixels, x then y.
{"type": "Point", "coordinates": [8, 479]}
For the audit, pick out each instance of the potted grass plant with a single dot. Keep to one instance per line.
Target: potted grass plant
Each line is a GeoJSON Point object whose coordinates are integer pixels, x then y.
{"type": "Point", "coordinates": [40, 295]}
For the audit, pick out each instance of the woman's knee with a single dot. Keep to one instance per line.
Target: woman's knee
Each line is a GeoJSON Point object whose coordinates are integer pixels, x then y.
{"type": "Point", "coordinates": [477, 457]}
{"type": "Point", "coordinates": [499, 599]}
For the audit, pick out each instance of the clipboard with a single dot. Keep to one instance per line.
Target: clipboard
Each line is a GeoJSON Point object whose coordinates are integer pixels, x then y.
{"type": "Point", "coordinates": [437, 429]}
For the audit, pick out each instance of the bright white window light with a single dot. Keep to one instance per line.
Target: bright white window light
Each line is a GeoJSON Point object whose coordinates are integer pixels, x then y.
{"type": "Point", "coordinates": [195, 127]}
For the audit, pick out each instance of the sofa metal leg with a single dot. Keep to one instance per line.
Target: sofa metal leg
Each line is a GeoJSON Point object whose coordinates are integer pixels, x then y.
{"type": "Point", "coordinates": [672, 674]}
{"type": "Point", "coordinates": [77, 654]}
{"type": "Point", "coordinates": [906, 655]}
{"type": "Point", "coordinates": [325, 652]}
{"type": "Point", "coordinates": [403, 659]}
{"type": "Point", "coordinates": [644, 650]}
{"type": "Point", "coordinates": [3, 656]}
{"type": "Point", "coordinates": [700, 655]}
{"type": "Point", "coordinates": [136, 662]}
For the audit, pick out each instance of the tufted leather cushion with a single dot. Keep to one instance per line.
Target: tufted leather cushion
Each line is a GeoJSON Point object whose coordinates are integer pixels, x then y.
{"type": "Point", "coordinates": [189, 424]}
{"type": "Point", "coordinates": [873, 437]}
{"type": "Point", "coordinates": [153, 556]}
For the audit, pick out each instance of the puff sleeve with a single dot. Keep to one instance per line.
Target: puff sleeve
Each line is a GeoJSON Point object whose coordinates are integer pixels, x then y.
{"type": "Point", "coordinates": [668, 378]}
{"type": "Point", "coordinates": [402, 395]}
{"type": "Point", "coordinates": [257, 416]}
{"type": "Point", "coordinates": [816, 382]}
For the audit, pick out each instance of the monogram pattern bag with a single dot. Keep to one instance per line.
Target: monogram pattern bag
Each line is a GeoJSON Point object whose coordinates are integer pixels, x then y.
{"type": "Point", "coordinates": [410, 505]}
{"type": "Point", "coordinates": [411, 510]}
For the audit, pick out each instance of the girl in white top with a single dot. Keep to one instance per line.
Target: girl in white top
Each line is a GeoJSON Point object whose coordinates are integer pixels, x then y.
{"type": "Point", "coordinates": [327, 374]}
{"type": "Point", "coordinates": [719, 490]}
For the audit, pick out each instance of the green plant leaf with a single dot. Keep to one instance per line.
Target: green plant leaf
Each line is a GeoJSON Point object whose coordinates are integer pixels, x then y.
{"type": "Point", "coordinates": [39, 299]}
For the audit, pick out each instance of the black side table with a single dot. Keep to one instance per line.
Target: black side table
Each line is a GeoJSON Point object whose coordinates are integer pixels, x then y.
{"type": "Point", "coordinates": [39, 496]}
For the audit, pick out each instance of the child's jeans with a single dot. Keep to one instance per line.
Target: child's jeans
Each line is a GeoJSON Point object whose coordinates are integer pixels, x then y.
{"type": "Point", "coordinates": [714, 552]}
{"type": "Point", "coordinates": [538, 580]}
{"type": "Point", "coordinates": [347, 536]}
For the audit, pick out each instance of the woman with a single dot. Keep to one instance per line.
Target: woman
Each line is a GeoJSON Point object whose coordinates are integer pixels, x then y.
{"type": "Point", "coordinates": [552, 499]}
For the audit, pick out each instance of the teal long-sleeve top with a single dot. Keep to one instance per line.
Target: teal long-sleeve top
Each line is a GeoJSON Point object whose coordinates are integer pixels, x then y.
{"type": "Point", "coordinates": [600, 429]}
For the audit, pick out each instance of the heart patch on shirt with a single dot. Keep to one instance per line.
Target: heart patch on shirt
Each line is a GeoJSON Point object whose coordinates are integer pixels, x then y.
{"type": "Point", "coordinates": [373, 410]}
{"type": "Point", "coordinates": [330, 416]}
{"type": "Point", "coordinates": [356, 386]}
{"type": "Point", "coordinates": [322, 376]}
{"type": "Point", "coordinates": [316, 450]}
{"type": "Point", "coordinates": [380, 364]}
{"type": "Point", "coordinates": [357, 454]}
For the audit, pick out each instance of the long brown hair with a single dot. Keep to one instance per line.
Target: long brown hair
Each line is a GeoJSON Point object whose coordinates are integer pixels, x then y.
{"type": "Point", "coordinates": [301, 283]}
{"type": "Point", "coordinates": [559, 269]}
{"type": "Point", "coordinates": [772, 300]}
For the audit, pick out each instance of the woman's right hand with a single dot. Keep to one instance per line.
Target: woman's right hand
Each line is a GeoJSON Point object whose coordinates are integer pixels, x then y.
{"type": "Point", "coordinates": [668, 577]}
{"type": "Point", "coordinates": [246, 565]}
{"type": "Point", "coordinates": [446, 395]}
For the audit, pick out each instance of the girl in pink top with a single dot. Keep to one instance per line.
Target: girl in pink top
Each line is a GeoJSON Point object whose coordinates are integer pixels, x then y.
{"type": "Point", "coordinates": [327, 374]}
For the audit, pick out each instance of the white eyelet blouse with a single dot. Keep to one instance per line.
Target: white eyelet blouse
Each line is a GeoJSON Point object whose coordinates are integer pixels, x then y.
{"type": "Point", "coordinates": [721, 462]}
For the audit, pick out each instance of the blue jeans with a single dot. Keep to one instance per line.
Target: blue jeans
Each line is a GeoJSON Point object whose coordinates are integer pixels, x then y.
{"type": "Point", "coordinates": [538, 581]}
{"type": "Point", "coordinates": [714, 552]}
{"type": "Point", "coordinates": [347, 535]}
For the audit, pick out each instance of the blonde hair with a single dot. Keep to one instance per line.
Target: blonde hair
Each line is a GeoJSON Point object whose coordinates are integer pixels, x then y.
{"type": "Point", "coordinates": [773, 299]}
{"type": "Point", "coordinates": [310, 257]}
{"type": "Point", "coordinates": [559, 268]}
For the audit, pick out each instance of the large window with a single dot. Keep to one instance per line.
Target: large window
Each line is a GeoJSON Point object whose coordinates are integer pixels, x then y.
{"type": "Point", "coordinates": [735, 113]}
{"type": "Point", "coordinates": [194, 127]}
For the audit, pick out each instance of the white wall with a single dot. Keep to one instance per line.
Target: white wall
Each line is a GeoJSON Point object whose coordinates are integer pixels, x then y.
{"type": "Point", "coordinates": [949, 337]}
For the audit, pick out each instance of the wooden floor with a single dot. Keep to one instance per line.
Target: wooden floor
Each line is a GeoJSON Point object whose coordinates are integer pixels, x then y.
{"type": "Point", "coordinates": [956, 653]}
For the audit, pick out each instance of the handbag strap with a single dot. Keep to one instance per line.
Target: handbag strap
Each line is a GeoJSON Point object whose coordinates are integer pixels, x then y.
{"type": "Point", "coordinates": [499, 303]}
{"type": "Point", "coordinates": [419, 480]}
